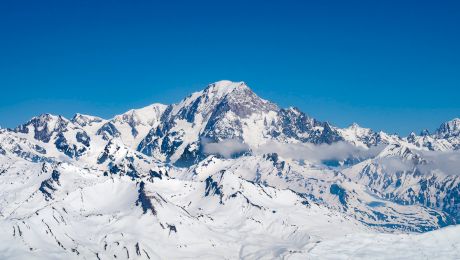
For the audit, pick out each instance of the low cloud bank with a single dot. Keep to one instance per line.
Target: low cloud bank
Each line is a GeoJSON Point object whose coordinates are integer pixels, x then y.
{"type": "Point", "coordinates": [316, 153]}
{"type": "Point", "coordinates": [302, 151]}
{"type": "Point", "coordinates": [225, 148]}
{"type": "Point", "coordinates": [395, 164]}
{"type": "Point", "coordinates": [434, 161]}
{"type": "Point", "coordinates": [447, 162]}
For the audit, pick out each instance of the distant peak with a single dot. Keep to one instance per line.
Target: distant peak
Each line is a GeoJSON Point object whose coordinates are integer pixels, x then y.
{"type": "Point", "coordinates": [78, 115]}
{"type": "Point", "coordinates": [357, 128]}
{"type": "Point", "coordinates": [84, 120]}
{"type": "Point", "coordinates": [45, 115]}
{"type": "Point", "coordinates": [354, 125]}
{"type": "Point", "coordinates": [454, 121]}
{"type": "Point", "coordinates": [48, 117]}
{"type": "Point", "coordinates": [449, 128]}
{"type": "Point", "coordinates": [425, 132]}
{"type": "Point", "coordinates": [147, 115]}
{"type": "Point", "coordinates": [146, 109]}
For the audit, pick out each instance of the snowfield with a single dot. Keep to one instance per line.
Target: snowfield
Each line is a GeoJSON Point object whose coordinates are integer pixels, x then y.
{"type": "Point", "coordinates": [224, 174]}
{"type": "Point", "coordinates": [439, 244]}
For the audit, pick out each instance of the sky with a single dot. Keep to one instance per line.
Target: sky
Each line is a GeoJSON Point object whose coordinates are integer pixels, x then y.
{"type": "Point", "coordinates": [387, 65]}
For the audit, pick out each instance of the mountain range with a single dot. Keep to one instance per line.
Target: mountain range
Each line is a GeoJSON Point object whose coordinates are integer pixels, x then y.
{"type": "Point", "coordinates": [225, 174]}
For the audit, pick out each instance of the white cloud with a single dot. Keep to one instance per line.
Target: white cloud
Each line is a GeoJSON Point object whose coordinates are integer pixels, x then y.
{"type": "Point", "coordinates": [395, 164]}
{"type": "Point", "coordinates": [317, 153]}
{"type": "Point", "coordinates": [225, 148]}
{"type": "Point", "coordinates": [300, 151]}
{"type": "Point", "coordinates": [446, 162]}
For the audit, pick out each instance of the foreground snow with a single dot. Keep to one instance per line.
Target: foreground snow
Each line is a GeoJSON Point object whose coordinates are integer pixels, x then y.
{"type": "Point", "coordinates": [440, 244]}
{"type": "Point", "coordinates": [63, 211]}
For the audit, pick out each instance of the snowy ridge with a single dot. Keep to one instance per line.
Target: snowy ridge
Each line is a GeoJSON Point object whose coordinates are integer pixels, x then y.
{"type": "Point", "coordinates": [252, 179]}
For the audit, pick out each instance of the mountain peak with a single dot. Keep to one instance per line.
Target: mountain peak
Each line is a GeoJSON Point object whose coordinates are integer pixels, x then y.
{"type": "Point", "coordinates": [84, 120]}
{"type": "Point", "coordinates": [148, 115]}
{"type": "Point", "coordinates": [354, 125]}
{"type": "Point", "coordinates": [449, 129]}
{"type": "Point", "coordinates": [48, 119]}
{"type": "Point", "coordinates": [220, 94]}
{"type": "Point", "coordinates": [224, 87]}
{"type": "Point", "coordinates": [357, 129]}
{"type": "Point", "coordinates": [43, 126]}
{"type": "Point", "coordinates": [46, 116]}
{"type": "Point", "coordinates": [455, 121]}
{"type": "Point", "coordinates": [226, 83]}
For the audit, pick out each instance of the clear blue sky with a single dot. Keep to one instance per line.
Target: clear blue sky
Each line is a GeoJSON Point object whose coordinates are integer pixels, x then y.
{"type": "Point", "coordinates": [389, 65]}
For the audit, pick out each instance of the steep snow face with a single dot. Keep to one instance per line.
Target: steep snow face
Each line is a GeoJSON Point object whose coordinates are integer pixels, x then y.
{"type": "Point", "coordinates": [134, 125]}
{"type": "Point", "coordinates": [131, 127]}
{"type": "Point", "coordinates": [144, 183]}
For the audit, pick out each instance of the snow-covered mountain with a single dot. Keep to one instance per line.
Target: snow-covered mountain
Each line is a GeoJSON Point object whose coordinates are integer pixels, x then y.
{"type": "Point", "coordinates": [223, 174]}
{"type": "Point", "coordinates": [228, 110]}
